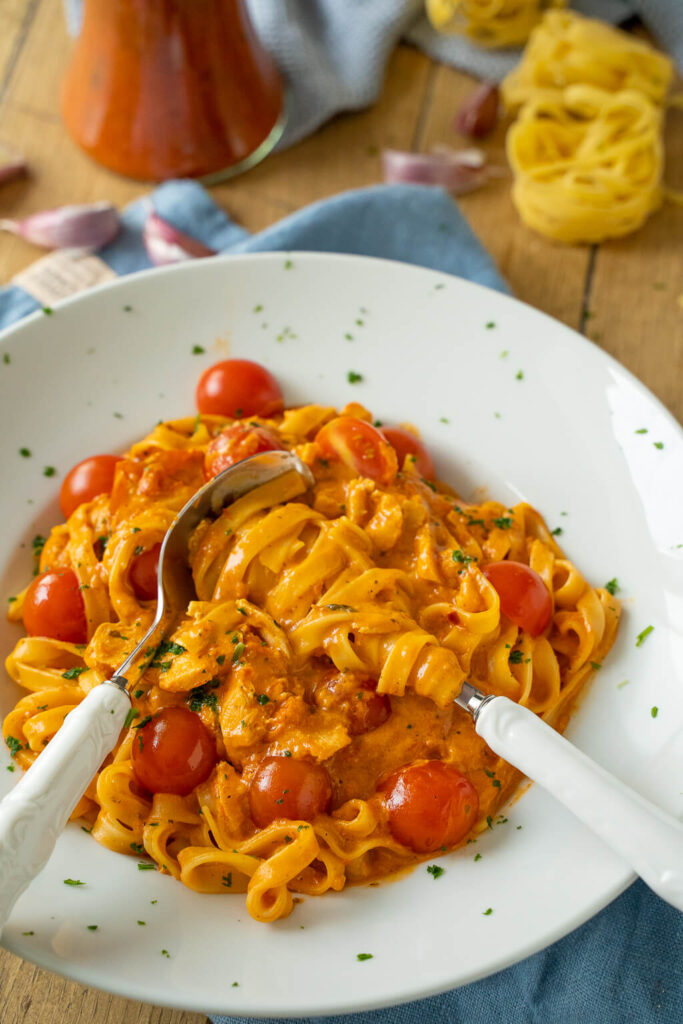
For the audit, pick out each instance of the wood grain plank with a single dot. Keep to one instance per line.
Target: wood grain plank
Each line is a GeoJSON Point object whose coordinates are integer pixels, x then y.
{"type": "Point", "coordinates": [544, 274]}
{"type": "Point", "coordinates": [636, 296]}
{"type": "Point", "coordinates": [31, 995]}
{"type": "Point", "coordinates": [16, 17]}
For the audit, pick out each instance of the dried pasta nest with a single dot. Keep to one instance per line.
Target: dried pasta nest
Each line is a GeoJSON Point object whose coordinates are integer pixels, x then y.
{"type": "Point", "coordinates": [494, 23]}
{"type": "Point", "coordinates": [587, 163]}
{"type": "Point", "coordinates": [566, 49]}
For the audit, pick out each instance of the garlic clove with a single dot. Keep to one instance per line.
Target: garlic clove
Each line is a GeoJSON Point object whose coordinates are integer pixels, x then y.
{"type": "Point", "coordinates": [87, 226]}
{"type": "Point", "coordinates": [478, 115]}
{"type": "Point", "coordinates": [458, 171]}
{"type": "Point", "coordinates": [165, 244]}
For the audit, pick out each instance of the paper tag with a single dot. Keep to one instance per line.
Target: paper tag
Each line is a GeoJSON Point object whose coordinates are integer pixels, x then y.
{"type": "Point", "coordinates": [61, 274]}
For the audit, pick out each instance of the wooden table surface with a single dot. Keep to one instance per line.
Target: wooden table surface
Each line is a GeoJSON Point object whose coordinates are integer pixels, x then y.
{"type": "Point", "coordinates": [627, 295]}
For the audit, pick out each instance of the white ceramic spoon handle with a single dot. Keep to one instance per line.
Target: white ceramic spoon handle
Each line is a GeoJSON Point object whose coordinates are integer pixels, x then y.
{"type": "Point", "coordinates": [650, 840]}
{"type": "Point", "coordinates": [34, 813]}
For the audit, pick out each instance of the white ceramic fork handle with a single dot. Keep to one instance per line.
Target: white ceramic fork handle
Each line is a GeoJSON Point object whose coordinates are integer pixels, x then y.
{"type": "Point", "coordinates": [34, 813]}
{"type": "Point", "coordinates": [650, 840]}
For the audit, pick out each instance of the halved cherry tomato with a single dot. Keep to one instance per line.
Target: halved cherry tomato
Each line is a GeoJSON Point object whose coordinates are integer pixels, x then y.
{"type": "Point", "coordinates": [54, 607]}
{"type": "Point", "coordinates": [524, 597]}
{"type": "Point", "coordinates": [174, 752]}
{"type": "Point", "coordinates": [237, 442]}
{"type": "Point", "coordinates": [404, 443]}
{"type": "Point", "coordinates": [237, 388]}
{"type": "Point", "coordinates": [86, 480]}
{"type": "Point", "coordinates": [369, 710]}
{"type": "Point", "coordinates": [143, 574]}
{"type": "Point", "coordinates": [430, 805]}
{"type": "Point", "coordinates": [285, 788]}
{"type": "Point", "coordinates": [360, 446]}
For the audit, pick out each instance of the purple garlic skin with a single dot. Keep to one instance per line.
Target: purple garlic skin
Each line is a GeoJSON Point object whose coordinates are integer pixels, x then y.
{"type": "Point", "coordinates": [165, 244]}
{"type": "Point", "coordinates": [478, 115]}
{"type": "Point", "coordinates": [87, 226]}
{"type": "Point", "coordinates": [459, 171]}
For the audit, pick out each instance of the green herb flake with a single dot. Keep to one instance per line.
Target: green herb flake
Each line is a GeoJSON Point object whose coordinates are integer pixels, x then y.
{"type": "Point", "coordinates": [519, 375]}
{"type": "Point", "coordinates": [25, 453]}
{"type": "Point", "coordinates": [623, 683]}
{"type": "Point", "coordinates": [235, 984]}
{"type": "Point", "coordinates": [258, 308]}
{"type": "Point", "coordinates": [262, 699]}
{"type": "Point", "coordinates": [133, 713]}
{"type": "Point", "coordinates": [612, 586]}
{"type": "Point", "coordinates": [73, 881]}
{"type": "Point", "coordinates": [353, 377]}
{"type": "Point", "coordinates": [138, 848]}
{"type": "Point", "coordinates": [28, 933]}
{"type": "Point", "coordinates": [47, 310]}
{"type": "Point", "coordinates": [364, 956]}
{"type": "Point", "coordinates": [595, 665]}
{"type": "Point", "coordinates": [658, 444]}
{"type": "Point", "coordinates": [198, 350]}
{"type": "Point", "coordinates": [288, 264]}
{"type": "Point", "coordinates": [435, 870]}
{"type": "Point", "coordinates": [6, 358]}
{"type": "Point", "coordinates": [515, 657]}
{"type": "Point", "coordinates": [75, 672]}
{"type": "Point", "coordinates": [460, 557]}
{"type": "Point", "coordinates": [503, 522]}
{"type": "Point", "coordinates": [138, 694]}
{"type": "Point", "coordinates": [240, 648]}
{"type": "Point", "coordinates": [49, 471]}
{"type": "Point", "coordinates": [92, 927]}
{"type": "Point", "coordinates": [13, 744]}
{"type": "Point", "coordinates": [146, 867]}
{"type": "Point", "coordinates": [490, 325]}
{"type": "Point", "coordinates": [654, 711]}
{"type": "Point", "coordinates": [557, 532]}
{"type": "Point", "coordinates": [166, 953]}
{"type": "Point", "coordinates": [10, 767]}
{"type": "Point", "coordinates": [643, 430]}
{"type": "Point", "coordinates": [642, 636]}
{"type": "Point", "coordinates": [487, 912]}
{"type": "Point", "coordinates": [220, 660]}
{"type": "Point", "coordinates": [227, 880]}
{"type": "Point", "coordinates": [477, 857]}
{"type": "Point", "coordinates": [142, 923]}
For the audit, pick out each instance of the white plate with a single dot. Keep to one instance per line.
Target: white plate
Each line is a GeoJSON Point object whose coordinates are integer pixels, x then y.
{"type": "Point", "coordinates": [94, 377]}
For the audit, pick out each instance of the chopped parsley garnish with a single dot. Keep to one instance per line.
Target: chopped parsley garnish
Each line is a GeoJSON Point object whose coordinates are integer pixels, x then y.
{"type": "Point", "coordinates": [263, 698]}
{"type": "Point", "coordinates": [477, 857]}
{"type": "Point", "coordinates": [654, 711]}
{"type": "Point", "coordinates": [138, 550]}
{"type": "Point", "coordinates": [146, 867]}
{"type": "Point", "coordinates": [138, 693]}
{"type": "Point", "coordinates": [13, 744]}
{"type": "Point", "coordinates": [519, 375]}
{"type": "Point", "coordinates": [227, 880]}
{"type": "Point", "coordinates": [25, 453]}
{"type": "Point", "coordinates": [435, 870]}
{"type": "Point", "coordinates": [202, 697]}
{"type": "Point", "coordinates": [642, 636]}
{"type": "Point", "coordinates": [28, 933]}
{"type": "Point", "coordinates": [142, 922]}
{"type": "Point", "coordinates": [490, 325]}
{"type": "Point", "coordinates": [220, 660]}
{"type": "Point", "coordinates": [141, 725]}
{"type": "Point", "coordinates": [240, 648]}
{"type": "Point", "coordinates": [353, 377]}
{"type": "Point", "coordinates": [488, 912]}
{"type": "Point", "coordinates": [138, 848]}
{"type": "Point", "coordinates": [557, 532]}
{"type": "Point", "coordinates": [612, 586]}
{"type": "Point", "coordinates": [132, 714]}
{"type": "Point", "coordinates": [515, 657]}
{"type": "Point", "coordinates": [75, 672]}
{"type": "Point", "coordinates": [47, 310]}
{"type": "Point", "coordinates": [489, 821]}
{"type": "Point", "coordinates": [364, 956]}
{"type": "Point", "coordinates": [288, 264]}
{"type": "Point", "coordinates": [339, 607]}
{"type": "Point", "coordinates": [10, 767]}
{"type": "Point", "coordinates": [6, 358]}
{"type": "Point", "coordinates": [73, 881]}
{"type": "Point", "coordinates": [197, 350]}
{"type": "Point", "coordinates": [658, 444]}
{"type": "Point", "coordinates": [92, 927]}
{"type": "Point", "coordinates": [503, 522]}
{"type": "Point", "coordinates": [461, 557]}
{"type": "Point", "coordinates": [49, 471]}
{"type": "Point", "coordinates": [643, 430]}
{"type": "Point", "coordinates": [595, 665]}
{"type": "Point", "coordinates": [166, 953]}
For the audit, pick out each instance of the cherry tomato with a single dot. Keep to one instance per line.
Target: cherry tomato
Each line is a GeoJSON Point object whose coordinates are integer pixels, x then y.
{"type": "Point", "coordinates": [54, 607]}
{"type": "Point", "coordinates": [235, 443]}
{"type": "Point", "coordinates": [369, 710]}
{"type": "Point", "coordinates": [285, 788]}
{"type": "Point", "coordinates": [237, 388]}
{"type": "Point", "coordinates": [404, 443]}
{"type": "Point", "coordinates": [174, 752]}
{"type": "Point", "coordinates": [430, 805]}
{"type": "Point", "coordinates": [86, 480]}
{"type": "Point", "coordinates": [360, 446]}
{"type": "Point", "coordinates": [143, 574]}
{"type": "Point", "coordinates": [524, 597]}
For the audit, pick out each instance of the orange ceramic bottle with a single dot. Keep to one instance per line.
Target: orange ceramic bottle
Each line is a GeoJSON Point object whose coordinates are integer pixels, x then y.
{"type": "Point", "coordinates": [161, 89]}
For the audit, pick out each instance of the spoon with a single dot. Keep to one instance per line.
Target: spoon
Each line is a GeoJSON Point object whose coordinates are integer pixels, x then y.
{"type": "Point", "coordinates": [34, 813]}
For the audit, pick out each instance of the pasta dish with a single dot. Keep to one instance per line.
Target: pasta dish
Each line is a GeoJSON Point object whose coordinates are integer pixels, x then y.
{"type": "Point", "coordinates": [296, 731]}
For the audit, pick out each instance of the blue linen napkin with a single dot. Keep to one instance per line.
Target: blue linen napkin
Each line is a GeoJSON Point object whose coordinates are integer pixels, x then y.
{"type": "Point", "coordinates": [333, 53]}
{"type": "Point", "coordinates": [411, 223]}
{"type": "Point", "coordinates": [621, 966]}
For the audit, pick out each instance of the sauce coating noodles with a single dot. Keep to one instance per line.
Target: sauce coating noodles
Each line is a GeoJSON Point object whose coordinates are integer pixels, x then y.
{"type": "Point", "coordinates": [330, 634]}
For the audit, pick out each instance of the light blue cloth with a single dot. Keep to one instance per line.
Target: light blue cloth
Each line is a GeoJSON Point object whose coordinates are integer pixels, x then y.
{"type": "Point", "coordinates": [624, 966]}
{"type": "Point", "coordinates": [410, 223]}
{"type": "Point", "coordinates": [333, 53]}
